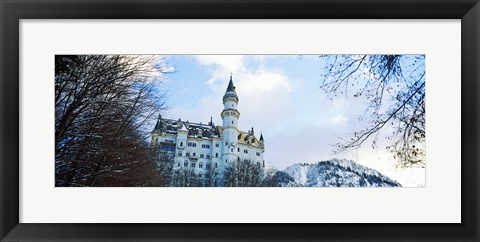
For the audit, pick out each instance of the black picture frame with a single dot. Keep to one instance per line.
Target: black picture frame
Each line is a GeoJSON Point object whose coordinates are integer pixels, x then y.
{"type": "Point", "coordinates": [12, 11]}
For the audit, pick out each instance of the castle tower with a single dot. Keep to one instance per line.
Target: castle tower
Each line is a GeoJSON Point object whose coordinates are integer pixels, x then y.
{"type": "Point", "coordinates": [157, 132]}
{"type": "Point", "coordinates": [230, 116]}
{"type": "Point", "coordinates": [262, 142]}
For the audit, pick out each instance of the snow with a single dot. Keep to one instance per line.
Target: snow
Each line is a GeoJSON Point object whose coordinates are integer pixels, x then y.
{"type": "Point", "coordinates": [337, 173]}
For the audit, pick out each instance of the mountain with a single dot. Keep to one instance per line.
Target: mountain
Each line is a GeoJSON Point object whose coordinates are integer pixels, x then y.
{"type": "Point", "coordinates": [331, 173]}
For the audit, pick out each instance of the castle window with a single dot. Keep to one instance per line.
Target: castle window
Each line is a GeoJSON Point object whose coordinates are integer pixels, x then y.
{"type": "Point", "coordinates": [192, 144]}
{"type": "Point", "coordinates": [187, 154]}
{"type": "Point", "coordinates": [200, 165]}
{"type": "Point", "coordinates": [226, 161]}
{"type": "Point", "coordinates": [263, 163]}
{"type": "Point", "coordinates": [178, 164]}
{"type": "Point", "coordinates": [231, 150]}
{"type": "Point", "coordinates": [205, 146]}
{"type": "Point", "coordinates": [258, 163]}
{"type": "Point", "coordinates": [207, 165]}
{"type": "Point", "coordinates": [226, 142]}
{"type": "Point", "coordinates": [216, 165]}
{"type": "Point", "coordinates": [194, 154]}
{"type": "Point", "coordinates": [216, 155]}
{"type": "Point", "coordinates": [258, 153]}
{"type": "Point", "coordinates": [193, 164]}
{"type": "Point", "coordinates": [217, 145]}
{"type": "Point", "coordinates": [165, 146]}
{"type": "Point", "coordinates": [185, 164]}
{"type": "Point", "coordinates": [238, 149]}
{"type": "Point", "coordinates": [232, 122]}
{"type": "Point", "coordinates": [181, 143]}
{"type": "Point", "coordinates": [200, 175]}
{"type": "Point", "coordinates": [245, 151]}
{"type": "Point", "coordinates": [201, 156]}
{"type": "Point", "coordinates": [180, 153]}
{"type": "Point", "coordinates": [208, 156]}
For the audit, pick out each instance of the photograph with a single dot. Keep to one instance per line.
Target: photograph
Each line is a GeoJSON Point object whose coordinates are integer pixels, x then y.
{"type": "Point", "coordinates": [315, 120]}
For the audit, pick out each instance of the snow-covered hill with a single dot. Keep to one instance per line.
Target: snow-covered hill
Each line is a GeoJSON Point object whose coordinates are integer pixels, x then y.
{"type": "Point", "coordinates": [331, 173]}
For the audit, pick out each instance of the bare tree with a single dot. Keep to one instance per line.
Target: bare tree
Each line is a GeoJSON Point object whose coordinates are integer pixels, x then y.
{"type": "Point", "coordinates": [165, 162]}
{"type": "Point", "coordinates": [394, 86]}
{"type": "Point", "coordinates": [211, 176]}
{"type": "Point", "coordinates": [243, 174]}
{"type": "Point", "coordinates": [102, 103]}
{"type": "Point", "coordinates": [186, 177]}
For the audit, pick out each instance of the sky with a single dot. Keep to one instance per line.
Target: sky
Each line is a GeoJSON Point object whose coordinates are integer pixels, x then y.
{"type": "Point", "coordinates": [280, 97]}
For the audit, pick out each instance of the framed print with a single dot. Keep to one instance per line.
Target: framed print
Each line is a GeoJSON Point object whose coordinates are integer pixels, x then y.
{"type": "Point", "coordinates": [238, 120]}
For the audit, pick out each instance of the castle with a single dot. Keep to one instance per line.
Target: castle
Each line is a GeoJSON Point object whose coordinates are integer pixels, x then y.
{"type": "Point", "coordinates": [203, 147]}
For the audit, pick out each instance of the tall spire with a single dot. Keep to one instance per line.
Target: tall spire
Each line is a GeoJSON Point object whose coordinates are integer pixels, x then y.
{"type": "Point", "coordinates": [230, 90]}
{"type": "Point", "coordinates": [261, 136]}
{"type": "Point", "coordinates": [159, 123]}
{"type": "Point", "coordinates": [231, 87]}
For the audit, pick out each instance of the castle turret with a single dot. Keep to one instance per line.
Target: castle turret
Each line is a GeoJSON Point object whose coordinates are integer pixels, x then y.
{"type": "Point", "coordinates": [156, 132]}
{"type": "Point", "coordinates": [230, 116]}
{"type": "Point", "coordinates": [159, 123]}
{"type": "Point", "coordinates": [211, 121]}
{"type": "Point", "coordinates": [182, 136]}
{"type": "Point", "coordinates": [261, 141]}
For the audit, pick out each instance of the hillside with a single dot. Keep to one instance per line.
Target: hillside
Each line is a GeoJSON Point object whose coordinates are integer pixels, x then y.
{"type": "Point", "coordinates": [331, 173]}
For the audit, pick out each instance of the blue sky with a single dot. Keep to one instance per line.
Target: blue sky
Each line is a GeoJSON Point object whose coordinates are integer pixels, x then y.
{"type": "Point", "coordinates": [280, 96]}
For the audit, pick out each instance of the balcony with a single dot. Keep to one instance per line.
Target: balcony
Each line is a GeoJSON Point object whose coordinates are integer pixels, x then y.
{"type": "Point", "coordinates": [193, 157]}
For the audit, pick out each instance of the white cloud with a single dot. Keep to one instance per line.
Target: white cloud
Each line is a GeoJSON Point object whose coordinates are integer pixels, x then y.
{"type": "Point", "coordinates": [207, 106]}
{"type": "Point", "coordinates": [263, 81]}
{"type": "Point", "coordinates": [222, 66]}
{"type": "Point", "coordinates": [230, 62]}
{"type": "Point", "coordinates": [340, 120]}
{"type": "Point", "coordinates": [262, 92]}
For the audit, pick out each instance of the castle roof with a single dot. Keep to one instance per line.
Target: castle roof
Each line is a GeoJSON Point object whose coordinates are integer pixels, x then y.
{"type": "Point", "coordinates": [182, 127]}
{"type": "Point", "coordinates": [194, 129]}
{"type": "Point", "coordinates": [231, 87]}
{"type": "Point", "coordinates": [200, 130]}
{"type": "Point", "coordinates": [230, 90]}
{"type": "Point", "coordinates": [247, 139]}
